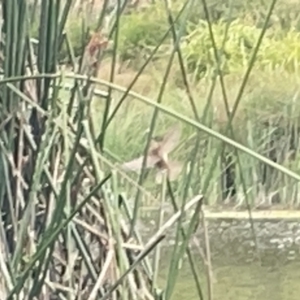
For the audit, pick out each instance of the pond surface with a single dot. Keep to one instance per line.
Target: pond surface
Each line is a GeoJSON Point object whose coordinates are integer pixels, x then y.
{"type": "Point", "coordinates": [237, 273]}
{"type": "Point", "coordinates": [272, 279]}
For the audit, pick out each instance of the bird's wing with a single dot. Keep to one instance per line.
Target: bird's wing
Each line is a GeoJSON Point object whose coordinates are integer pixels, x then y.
{"type": "Point", "coordinates": [136, 164]}
{"type": "Point", "coordinates": [171, 139]}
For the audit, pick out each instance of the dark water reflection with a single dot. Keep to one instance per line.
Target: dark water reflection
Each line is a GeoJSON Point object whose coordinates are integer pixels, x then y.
{"type": "Point", "coordinates": [271, 279]}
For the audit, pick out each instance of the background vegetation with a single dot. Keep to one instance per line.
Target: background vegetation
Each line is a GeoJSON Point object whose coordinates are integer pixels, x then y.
{"type": "Point", "coordinates": [267, 117]}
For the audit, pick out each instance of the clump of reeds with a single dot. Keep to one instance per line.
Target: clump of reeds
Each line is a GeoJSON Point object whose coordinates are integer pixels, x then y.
{"type": "Point", "coordinates": [66, 229]}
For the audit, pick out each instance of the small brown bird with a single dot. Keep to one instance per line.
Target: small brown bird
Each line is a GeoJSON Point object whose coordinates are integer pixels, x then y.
{"type": "Point", "coordinates": [158, 156]}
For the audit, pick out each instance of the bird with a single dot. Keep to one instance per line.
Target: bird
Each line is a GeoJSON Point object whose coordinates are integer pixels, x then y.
{"type": "Point", "coordinates": [157, 156]}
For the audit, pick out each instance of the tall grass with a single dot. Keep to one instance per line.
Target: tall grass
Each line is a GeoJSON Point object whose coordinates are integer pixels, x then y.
{"type": "Point", "coordinates": [69, 215]}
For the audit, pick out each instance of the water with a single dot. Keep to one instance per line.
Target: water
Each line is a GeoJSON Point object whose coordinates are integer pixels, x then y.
{"type": "Point", "coordinates": [237, 273]}
{"type": "Point", "coordinates": [272, 279]}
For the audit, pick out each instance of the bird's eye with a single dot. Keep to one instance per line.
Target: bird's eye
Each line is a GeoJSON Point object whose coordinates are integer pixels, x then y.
{"type": "Point", "coordinates": [158, 138]}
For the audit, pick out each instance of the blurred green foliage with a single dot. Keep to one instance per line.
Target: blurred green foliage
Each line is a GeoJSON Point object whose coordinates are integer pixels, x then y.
{"type": "Point", "coordinates": [268, 115]}
{"type": "Point", "coordinates": [142, 30]}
